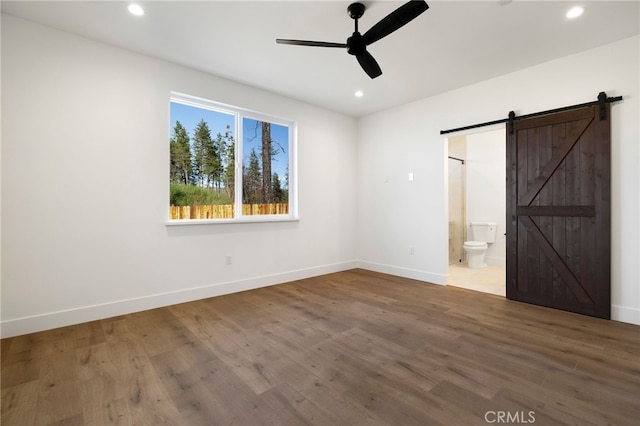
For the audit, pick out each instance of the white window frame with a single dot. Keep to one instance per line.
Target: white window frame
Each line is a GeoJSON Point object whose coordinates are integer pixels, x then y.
{"type": "Point", "coordinates": [239, 114]}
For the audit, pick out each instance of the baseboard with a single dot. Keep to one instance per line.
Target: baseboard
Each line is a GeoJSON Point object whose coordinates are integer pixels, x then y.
{"type": "Point", "coordinates": [415, 274]}
{"type": "Point", "coordinates": [625, 314]}
{"type": "Point", "coordinates": [51, 320]}
{"type": "Point", "coordinates": [31, 324]}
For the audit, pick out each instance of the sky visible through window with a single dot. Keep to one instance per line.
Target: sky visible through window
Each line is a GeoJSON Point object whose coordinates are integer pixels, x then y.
{"type": "Point", "coordinates": [190, 116]}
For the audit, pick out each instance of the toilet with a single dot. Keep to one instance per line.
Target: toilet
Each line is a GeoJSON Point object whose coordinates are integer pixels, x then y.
{"type": "Point", "coordinates": [481, 234]}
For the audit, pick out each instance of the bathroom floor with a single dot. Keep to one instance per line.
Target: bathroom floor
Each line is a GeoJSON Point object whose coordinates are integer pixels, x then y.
{"type": "Point", "coordinates": [490, 279]}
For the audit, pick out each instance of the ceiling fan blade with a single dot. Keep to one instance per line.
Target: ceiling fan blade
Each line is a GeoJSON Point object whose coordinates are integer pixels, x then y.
{"type": "Point", "coordinates": [310, 43]}
{"type": "Point", "coordinates": [369, 64]}
{"type": "Point", "coordinates": [395, 20]}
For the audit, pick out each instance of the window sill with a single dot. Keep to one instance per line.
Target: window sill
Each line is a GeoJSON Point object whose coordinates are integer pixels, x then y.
{"type": "Point", "coordinates": [246, 219]}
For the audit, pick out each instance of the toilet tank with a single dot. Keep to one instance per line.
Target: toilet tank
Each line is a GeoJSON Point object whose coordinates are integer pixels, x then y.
{"type": "Point", "coordinates": [483, 231]}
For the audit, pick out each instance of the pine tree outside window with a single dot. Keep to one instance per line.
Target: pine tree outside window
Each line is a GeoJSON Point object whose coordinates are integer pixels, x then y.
{"type": "Point", "coordinates": [228, 164]}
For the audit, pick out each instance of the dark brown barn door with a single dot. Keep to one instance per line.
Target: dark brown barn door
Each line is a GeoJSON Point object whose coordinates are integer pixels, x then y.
{"type": "Point", "coordinates": [558, 211]}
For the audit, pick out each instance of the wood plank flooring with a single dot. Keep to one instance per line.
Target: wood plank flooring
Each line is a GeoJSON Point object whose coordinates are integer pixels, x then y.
{"type": "Point", "coordinates": [351, 348]}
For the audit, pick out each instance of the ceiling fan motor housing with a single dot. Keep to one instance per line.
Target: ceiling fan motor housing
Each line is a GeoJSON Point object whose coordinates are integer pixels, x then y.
{"type": "Point", "coordinates": [355, 44]}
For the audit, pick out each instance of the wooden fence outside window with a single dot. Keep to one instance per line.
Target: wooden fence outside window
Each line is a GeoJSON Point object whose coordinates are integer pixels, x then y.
{"type": "Point", "coordinates": [225, 211]}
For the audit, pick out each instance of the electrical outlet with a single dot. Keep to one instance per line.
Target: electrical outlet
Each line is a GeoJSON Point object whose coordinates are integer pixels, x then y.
{"type": "Point", "coordinates": [412, 251]}
{"type": "Point", "coordinates": [228, 260]}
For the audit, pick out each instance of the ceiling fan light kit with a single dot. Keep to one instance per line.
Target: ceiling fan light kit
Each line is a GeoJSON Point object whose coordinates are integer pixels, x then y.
{"type": "Point", "coordinates": [356, 45]}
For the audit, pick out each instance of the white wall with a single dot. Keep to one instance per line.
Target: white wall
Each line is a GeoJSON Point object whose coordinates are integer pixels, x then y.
{"type": "Point", "coordinates": [85, 192]}
{"type": "Point", "coordinates": [85, 187]}
{"type": "Point", "coordinates": [486, 188]}
{"type": "Point", "coordinates": [397, 214]}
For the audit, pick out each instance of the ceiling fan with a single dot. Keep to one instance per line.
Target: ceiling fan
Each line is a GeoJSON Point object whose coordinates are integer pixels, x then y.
{"type": "Point", "coordinates": [357, 44]}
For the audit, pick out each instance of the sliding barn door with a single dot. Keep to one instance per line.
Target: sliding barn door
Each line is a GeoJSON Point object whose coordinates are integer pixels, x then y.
{"type": "Point", "coordinates": [558, 211]}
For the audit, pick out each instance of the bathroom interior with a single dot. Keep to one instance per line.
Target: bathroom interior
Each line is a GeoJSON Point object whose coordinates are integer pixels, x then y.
{"type": "Point", "coordinates": [477, 211]}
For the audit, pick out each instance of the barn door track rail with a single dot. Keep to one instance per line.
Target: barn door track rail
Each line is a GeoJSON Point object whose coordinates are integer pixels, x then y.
{"type": "Point", "coordinates": [602, 100]}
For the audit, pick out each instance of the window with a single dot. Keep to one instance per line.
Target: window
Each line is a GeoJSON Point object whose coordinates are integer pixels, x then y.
{"type": "Point", "coordinates": [229, 164]}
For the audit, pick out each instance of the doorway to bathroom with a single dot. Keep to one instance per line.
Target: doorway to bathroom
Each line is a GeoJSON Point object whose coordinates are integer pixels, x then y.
{"type": "Point", "coordinates": [476, 170]}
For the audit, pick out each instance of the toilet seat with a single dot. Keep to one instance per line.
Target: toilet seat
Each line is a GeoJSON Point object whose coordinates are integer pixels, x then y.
{"type": "Point", "coordinates": [475, 244]}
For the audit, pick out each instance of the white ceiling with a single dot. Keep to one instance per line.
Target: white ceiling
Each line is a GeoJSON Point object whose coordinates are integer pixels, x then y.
{"type": "Point", "coordinates": [453, 44]}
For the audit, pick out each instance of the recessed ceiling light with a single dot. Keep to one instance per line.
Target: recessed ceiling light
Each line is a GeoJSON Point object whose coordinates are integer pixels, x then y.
{"type": "Point", "coordinates": [359, 94]}
{"type": "Point", "coordinates": [574, 12]}
{"type": "Point", "coordinates": [136, 9]}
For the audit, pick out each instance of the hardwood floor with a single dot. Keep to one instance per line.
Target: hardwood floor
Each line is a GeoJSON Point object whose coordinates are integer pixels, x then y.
{"type": "Point", "coordinates": [349, 348]}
